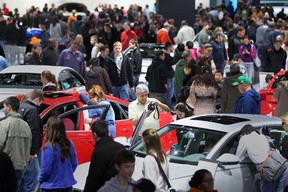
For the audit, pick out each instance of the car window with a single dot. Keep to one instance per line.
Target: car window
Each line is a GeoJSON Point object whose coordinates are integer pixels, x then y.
{"type": "Point", "coordinates": [277, 134]}
{"type": "Point", "coordinates": [121, 111]}
{"type": "Point", "coordinates": [187, 144]}
{"type": "Point", "coordinates": [149, 50]}
{"type": "Point", "coordinates": [71, 121]}
{"type": "Point", "coordinates": [70, 79]}
{"type": "Point", "coordinates": [21, 80]}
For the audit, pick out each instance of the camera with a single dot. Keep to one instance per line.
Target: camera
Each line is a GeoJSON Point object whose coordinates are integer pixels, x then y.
{"type": "Point", "coordinates": [151, 106]}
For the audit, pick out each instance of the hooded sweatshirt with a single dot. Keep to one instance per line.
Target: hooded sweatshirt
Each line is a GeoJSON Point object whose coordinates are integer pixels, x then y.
{"type": "Point", "coordinates": [113, 185]}
{"type": "Point", "coordinates": [248, 103]}
{"type": "Point", "coordinates": [98, 76]}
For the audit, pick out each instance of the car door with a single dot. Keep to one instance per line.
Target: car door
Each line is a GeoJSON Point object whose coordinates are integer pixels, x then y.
{"type": "Point", "coordinates": [124, 126]}
{"type": "Point", "coordinates": [239, 176]}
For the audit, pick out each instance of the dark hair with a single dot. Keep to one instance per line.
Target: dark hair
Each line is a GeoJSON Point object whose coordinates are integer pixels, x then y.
{"type": "Point", "coordinates": [124, 156]}
{"type": "Point", "coordinates": [168, 45]}
{"type": "Point", "coordinates": [206, 79]}
{"type": "Point", "coordinates": [198, 177]}
{"type": "Point", "coordinates": [219, 71]}
{"type": "Point", "coordinates": [234, 69]}
{"type": "Point", "coordinates": [159, 53]}
{"type": "Point", "coordinates": [103, 47]}
{"type": "Point", "coordinates": [240, 28]}
{"type": "Point", "coordinates": [50, 77]}
{"type": "Point", "coordinates": [183, 108]}
{"type": "Point", "coordinates": [94, 62]}
{"type": "Point", "coordinates": [247, 129]}
{"type": "Point", "coordinates": [100, 127]}
{"type": "Point", "coordinates": [268, 77]}
{"type": "Point", "coordinates": [13, 102]}
{"type": "Point", "coordinates": [56, 134]}
{"type": "Point", "coordinates": [190, 65]}
{"type": "Point", "coordinates": [180, 47]}
{"type": "Point", "coordinates": [190, 44]}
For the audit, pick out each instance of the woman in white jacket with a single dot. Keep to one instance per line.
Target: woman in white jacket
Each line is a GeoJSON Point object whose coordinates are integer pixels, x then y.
{"type": "Point", "coordinates": [151, 170]}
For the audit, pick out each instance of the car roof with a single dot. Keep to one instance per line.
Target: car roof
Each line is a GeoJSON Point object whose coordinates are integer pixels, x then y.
{"type": "Point", "coordinates": [227, 122]}
{"type": "Point", "coordinates": [35, 69]}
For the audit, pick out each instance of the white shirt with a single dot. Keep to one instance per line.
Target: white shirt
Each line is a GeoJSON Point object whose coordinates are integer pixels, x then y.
{"type": "Point", "coordinates": [256, 147]}
{"type": "Point", "coordinates": [151, 171]}
{"type": "Point", "coordinates": [135, 110]}
{"type": "Point", "coordinates": [186, 33]}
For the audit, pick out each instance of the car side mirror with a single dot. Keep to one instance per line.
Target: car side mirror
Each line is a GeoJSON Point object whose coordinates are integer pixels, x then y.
{"type": "Point", "coordinates": [228, 159]}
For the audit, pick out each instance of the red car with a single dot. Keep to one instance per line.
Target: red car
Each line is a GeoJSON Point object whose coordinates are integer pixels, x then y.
{"type": "Point", "coordinates": [268, 103]}
{"type": "Point", "coordinates": [79, 132]}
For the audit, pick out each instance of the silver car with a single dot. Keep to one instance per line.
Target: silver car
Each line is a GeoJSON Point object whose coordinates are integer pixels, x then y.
{"type": "Point", "coordinates": [185, 142]}
{"type": "Point", "coordinates": [24, 78]}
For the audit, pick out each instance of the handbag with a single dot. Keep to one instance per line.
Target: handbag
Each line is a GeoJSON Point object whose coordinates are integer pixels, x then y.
{"type": "Point", "coordinates": [256, 65]}
{"type": "Point", "coordinates": [273, 166]}
{"type": "Point", "coordinates": [164, 175]}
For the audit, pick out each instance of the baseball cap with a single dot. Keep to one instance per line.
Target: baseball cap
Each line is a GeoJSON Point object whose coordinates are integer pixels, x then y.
{"type": "Point", "coordinates": [75, 42]}
{"type": "Point", "coordinates": [142, 88]}
{"type": "Point", "coordinates": [144, 185]}
{"type": "Point", "coordinates": [284, 118]}
{"type": "Point", "coordinates": [208, 46]}
{"type": "Point", "coordinates": [242, 80]}
{"type": "Point", "coordinates": [220, 33]}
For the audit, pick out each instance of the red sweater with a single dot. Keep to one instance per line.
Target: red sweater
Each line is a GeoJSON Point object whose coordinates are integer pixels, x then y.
{"type": "Point", "coordinates": [163, 37]}
{"type": "Point", "coordinates": [126, 37]}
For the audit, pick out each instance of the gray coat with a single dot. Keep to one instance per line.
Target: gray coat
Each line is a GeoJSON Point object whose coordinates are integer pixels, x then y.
{"type": "Point", "coordinates": [15, 139]}
{"type": "Point", "coordinates": [281, 95]}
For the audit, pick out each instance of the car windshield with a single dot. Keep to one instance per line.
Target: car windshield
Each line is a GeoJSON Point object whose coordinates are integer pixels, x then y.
{"type": "Point", "coordinates": [184, 144]}
{"type": "Point", "coordinates": [20, 80]}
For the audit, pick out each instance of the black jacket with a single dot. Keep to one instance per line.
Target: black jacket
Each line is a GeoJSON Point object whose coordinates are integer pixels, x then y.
{"type": "Point", "coordinates": [30, 113]}
{"type": "Point", "coordinates": [233, 46]}
{"type": "Point", "coordinates": [276, 60]}
{"type": "Point", "coordinates": [33, 59]}
{"type": "Point", "coordinates": [50, 56]}
{"type": "Point", "coordinates": [156, 76]}
{"type": "Point", "coordinates": [8, 182]}
{"type": "Point", "coordinates": [169, 62]}
{"type": "Point", "coordinates": [126, 74]}
{"type": "Point", "coordinates": [102, 164]}
{"type": "Point", "coordinates": [98, 76]}
{"type": "Point", "coordinates": [135, 60]}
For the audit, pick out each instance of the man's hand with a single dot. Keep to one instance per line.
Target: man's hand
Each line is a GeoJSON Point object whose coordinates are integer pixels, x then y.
{"type": "Point", "coordinates": [30, 159]}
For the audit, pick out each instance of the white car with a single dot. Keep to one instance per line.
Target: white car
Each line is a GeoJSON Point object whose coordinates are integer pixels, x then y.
{"type": "Point", "coordinates": [20, 79]}
{"type": "Point", "coordinates": [184, 141]}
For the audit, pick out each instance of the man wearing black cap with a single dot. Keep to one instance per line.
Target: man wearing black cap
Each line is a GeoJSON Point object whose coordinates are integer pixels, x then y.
{"type": "Point", "coordinates": [276, 57]}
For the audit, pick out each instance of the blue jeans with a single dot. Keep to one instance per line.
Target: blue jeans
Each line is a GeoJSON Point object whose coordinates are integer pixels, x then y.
{"type": "Point", "coordinates": [136, 79]}
{"type": "Point", "coordinates": [276, 186]}
{"type": "Point", "coordinates": [121, 92]}
{"type": "Point", "coordinates": [250, 69]}
{"type": "Point", "coordinates": [30, 178]}
{"type": "Point", "coordinates": [19, 175]}
{"type": "Point", "coordinates": [170, 91]}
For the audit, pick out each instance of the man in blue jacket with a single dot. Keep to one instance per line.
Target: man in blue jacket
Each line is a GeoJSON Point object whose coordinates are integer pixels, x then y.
{"type": "Point", "coordinates": [249, 102]}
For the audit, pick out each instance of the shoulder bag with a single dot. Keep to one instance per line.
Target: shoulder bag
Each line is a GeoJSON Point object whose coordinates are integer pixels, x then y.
{"type": "Point", "coordinates": [164, 175]}
{"type": "Point", "coordinates": [273, 167]}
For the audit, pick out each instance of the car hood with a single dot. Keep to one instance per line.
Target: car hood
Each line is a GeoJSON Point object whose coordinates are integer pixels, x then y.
{"type": "Point", "coordinates": [8, 92]}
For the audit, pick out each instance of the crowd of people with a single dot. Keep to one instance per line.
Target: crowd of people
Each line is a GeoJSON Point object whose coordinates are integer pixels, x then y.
{"type": "Point", "coordinates": [206, 79]}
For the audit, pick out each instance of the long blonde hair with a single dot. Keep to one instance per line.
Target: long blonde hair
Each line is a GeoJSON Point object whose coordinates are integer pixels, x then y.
{"type": "Point", "coordinates": [152, 144]}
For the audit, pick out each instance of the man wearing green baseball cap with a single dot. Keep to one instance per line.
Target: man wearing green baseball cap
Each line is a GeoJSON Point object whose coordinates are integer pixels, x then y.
{"type": "Point", "coordinates": [249, 102]}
